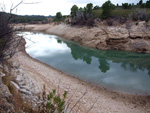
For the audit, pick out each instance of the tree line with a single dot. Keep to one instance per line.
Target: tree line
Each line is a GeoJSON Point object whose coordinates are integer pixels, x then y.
{"type": "Point", "coordinates": [84, 15]}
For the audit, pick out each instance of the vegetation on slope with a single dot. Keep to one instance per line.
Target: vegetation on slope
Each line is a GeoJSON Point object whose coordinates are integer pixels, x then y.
{"type": "Point", "coordinates": [122, 13]}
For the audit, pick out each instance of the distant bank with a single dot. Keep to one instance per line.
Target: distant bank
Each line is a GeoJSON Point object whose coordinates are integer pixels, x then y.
{"type": "Point", "coordinates": [126, 37]}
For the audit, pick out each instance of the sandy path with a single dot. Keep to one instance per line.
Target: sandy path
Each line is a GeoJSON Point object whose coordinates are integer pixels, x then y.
{"type": "Point", "coordinates": [108, 102]}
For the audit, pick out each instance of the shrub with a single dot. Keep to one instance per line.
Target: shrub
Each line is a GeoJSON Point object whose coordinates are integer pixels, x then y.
{"type": "Point", "coordinates": [148, 4]}
{"type": "Point", "coordinates": [140, 14]}
{"type": "Point", "coordinates": [96, 7]}
{"type": "Point", "coordinates": [52, 103]}
{"type": "Point", "coordinates": [122, 20]}
{"type": "Point", "coordinates": [109, 22]}
{"type": "Point", "coordinates": [8, 43]}
{"type": "Point", "coordinates": [107, 9]}
{"type": "Point", "coordinates": [90, 22]}
{"type": "Point", "coordinates": [147, 20]}
{"type": "Point", "coordinates": [137, 23]}
{"type": "Point", "coordinates": [140, 2]}
{"type": "Point", "coordinates": [59, 16]}
{"type": "Point", "coordinates": [74, 10]}
{"type": "Point", "coordinates": [6, 32]}
{"type": "Point", "coordinates": [126, 5]}
{"type": "Point", "coordinates": [143, 5]}
{"type": "Point", "coordinates": [89, 8]}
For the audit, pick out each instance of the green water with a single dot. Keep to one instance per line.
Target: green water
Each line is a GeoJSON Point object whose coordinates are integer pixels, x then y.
{"type": "Point", "coordinates": [116, 70]}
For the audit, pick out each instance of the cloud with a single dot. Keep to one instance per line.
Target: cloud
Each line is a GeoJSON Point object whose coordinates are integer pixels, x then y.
{"type": "Point", "coordinates": [100, 2]}
{"type": "Point", "coordinates": [84, 1]}
{"type": "Point", "coordinates": [51, 7]}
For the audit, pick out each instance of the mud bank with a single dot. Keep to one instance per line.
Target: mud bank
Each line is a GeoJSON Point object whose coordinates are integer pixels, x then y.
{"type": "Point", "coordinates": [127, 37]}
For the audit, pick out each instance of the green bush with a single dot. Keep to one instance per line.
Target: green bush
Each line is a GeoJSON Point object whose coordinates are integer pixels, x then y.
{"type": "Point", "coordinates": [148, 4]}
{"type": "Point", "coordinates": [107, 9]}
{"type": "Point", "coordinates": [59, 16]}
{"type": "Point", "coordinates": [137, 23]}
{"type": "Point", "coordinates": [74, 10]}
{"type": "Point", "coordinates": [52, 102]}
{"type": "Point", "coordinates": [126, 5]}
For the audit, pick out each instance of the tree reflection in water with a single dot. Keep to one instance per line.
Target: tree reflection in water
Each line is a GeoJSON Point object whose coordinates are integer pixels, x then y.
{"type": "Point", "coordinates": [128, 60]}
{"type": "Point", "coordinates": [104, 65]}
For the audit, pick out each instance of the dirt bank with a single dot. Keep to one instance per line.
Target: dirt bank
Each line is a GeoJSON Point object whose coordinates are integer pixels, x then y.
{"type": "Point", "coordinates": [127, 37]}
{"type": "Point", "coordinates": [32, 75]}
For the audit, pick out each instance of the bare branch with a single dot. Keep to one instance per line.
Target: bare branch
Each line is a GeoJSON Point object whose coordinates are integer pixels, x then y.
{"type": "Point", "coordinates": [69, 101]}
{"type": "Point", "coordinates": [59, 85]}
{"type": "Point", "coordinates": [78, 109]}
{"type": "Point", "coordinates": [93, 105]}
{"type": "Point", "coordinates": [8, 42]}
{"type": "Point", "coordinates": [16, 6]}
{"type": "Point", "coordinates": [2, 6]}
{"type": "Point", "coordinates": [78, 100]}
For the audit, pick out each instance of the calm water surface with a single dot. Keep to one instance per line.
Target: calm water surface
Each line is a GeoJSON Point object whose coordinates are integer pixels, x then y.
{"type": "Point", "coordinates": [116, 70]}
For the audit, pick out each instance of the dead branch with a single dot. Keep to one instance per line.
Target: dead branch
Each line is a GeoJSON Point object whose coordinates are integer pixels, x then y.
{"type": "Point", "coordinates": [59, 85]}
{"type": "Point", "coordinates": [69, 100]}
{"type": "Point", "coordinates": [16, 6]}
{"type": "Point", "coordinates": [93, 105]}
{"type": "Point", "coordinates": [8, 43]}
{"type": "Point", "coordinates": [78, 100]}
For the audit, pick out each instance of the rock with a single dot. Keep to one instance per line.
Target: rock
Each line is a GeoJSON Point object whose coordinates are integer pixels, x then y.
{"type": "Point", "coordinates": [19, 72]}
{"type": "Point", "coordinates": [1, 66]}
{"type": "Point", "coordinates": [25, 87]}
{"type": "Point", "coordinates": [2, 75]}
{"type": "Point", "coordinates": [7, 104]}
{"type": "Point", "coordinates": [148, 25]}
{"type": "Point", "coordinates": [19, 79]}
{"type": "Point", "coordinates": [5, 67]}
{"type": "Point", "coordinates": [115, 23]}
{"type": "Point", "coordinates": [15, 85]}
{"type": "Point", "coordinates": [139, 31]}
{"type": "Point", "coordinates": [24, 91]}
{"type": "Point", "coordinates": [117, 33]}
{"type": "Point", "coordinates": [97, 22]}
{"type": "Point", "coordinates": [15, 64]}
{"type": "Point", "coordinates": [139, 46]}
{"type": "Point", "coordinates": [22, 83]}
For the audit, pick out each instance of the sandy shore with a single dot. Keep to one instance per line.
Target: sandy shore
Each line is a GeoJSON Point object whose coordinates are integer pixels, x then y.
{"type": "Point", "coordinates": [107, 101]}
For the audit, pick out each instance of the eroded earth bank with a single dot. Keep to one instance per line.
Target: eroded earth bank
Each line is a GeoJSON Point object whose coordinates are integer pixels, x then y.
{"type": "Point", "coordinates": [127, 37]}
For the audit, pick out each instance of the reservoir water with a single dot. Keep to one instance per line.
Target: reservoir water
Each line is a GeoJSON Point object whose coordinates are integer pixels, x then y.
{"type": "Point", "coordinates": [116, 70]}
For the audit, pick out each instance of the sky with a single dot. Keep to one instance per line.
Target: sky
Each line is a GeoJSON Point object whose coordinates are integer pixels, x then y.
{"type": "Point", "coordinates": [51, 7]}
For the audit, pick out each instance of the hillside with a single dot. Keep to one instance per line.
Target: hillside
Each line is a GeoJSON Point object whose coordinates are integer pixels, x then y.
{"type": "Point", "coordinates": [120, 12]}
{"type": "Point", "coordinates": [26, 18]}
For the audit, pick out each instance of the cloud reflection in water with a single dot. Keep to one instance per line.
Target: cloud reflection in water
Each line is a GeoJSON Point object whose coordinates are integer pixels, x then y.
{"type": "Point", "coordinates": [45, 46]}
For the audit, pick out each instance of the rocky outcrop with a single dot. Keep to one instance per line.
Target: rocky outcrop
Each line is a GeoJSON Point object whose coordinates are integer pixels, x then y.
{"type": "Point", "coordinates": [127, 37]}
{"type": "Point", "coordinates": [7, 103]}
{"type": "Point", "coordinates": [16, 84]}
{"type": "Point", "coordinates": [23, 83]}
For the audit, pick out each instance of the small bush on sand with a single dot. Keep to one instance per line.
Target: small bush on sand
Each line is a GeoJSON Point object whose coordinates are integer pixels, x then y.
{"type": "Point", "coordinates": [52, 102]}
